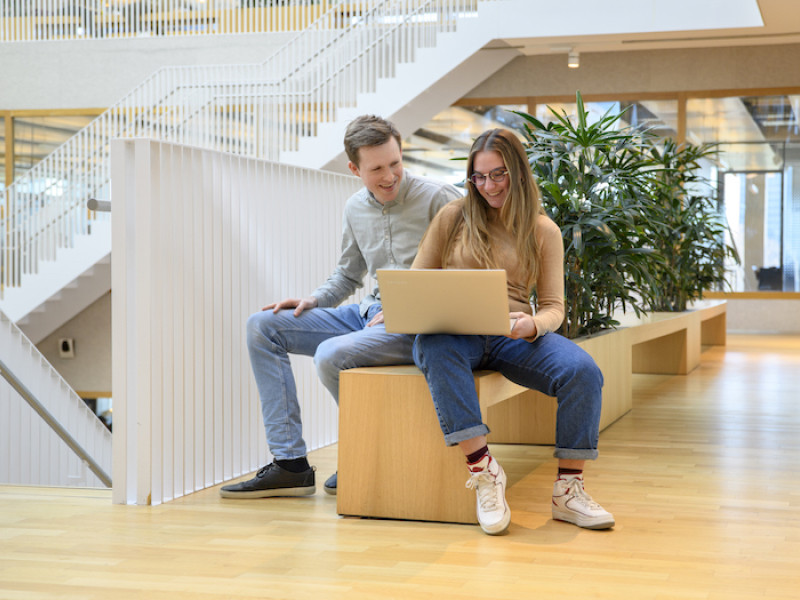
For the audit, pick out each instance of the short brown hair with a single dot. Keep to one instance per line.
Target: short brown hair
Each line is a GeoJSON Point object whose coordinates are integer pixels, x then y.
{"type": "Point", "coordinates": [368, 130]}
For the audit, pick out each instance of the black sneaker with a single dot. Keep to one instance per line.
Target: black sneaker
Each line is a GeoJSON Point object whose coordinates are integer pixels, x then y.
{"type": "Point", "coordinates": [272, 480]}
{"type": "Point", "coordinates": [330, 485]}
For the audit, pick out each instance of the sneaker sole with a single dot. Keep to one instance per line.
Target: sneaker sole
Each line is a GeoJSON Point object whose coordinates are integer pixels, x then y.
{"type": "Point", "coordinates": [500, 527]}
{"type": "Point", "coordinates": [586, 523]}
{"type": "Point", "coordinates": [273, 493]}
{"type": "Point", "coordinates": [330, 490]}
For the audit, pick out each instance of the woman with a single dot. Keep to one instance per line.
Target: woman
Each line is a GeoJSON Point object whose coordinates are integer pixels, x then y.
{"type": "Point", "coordinates": [500, 224]}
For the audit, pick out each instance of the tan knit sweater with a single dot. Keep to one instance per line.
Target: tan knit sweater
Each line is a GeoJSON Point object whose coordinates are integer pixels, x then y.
{"type": "Point", "coordinates": [549, 287]}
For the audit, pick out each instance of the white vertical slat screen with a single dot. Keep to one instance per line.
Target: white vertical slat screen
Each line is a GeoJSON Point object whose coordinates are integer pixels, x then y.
{"type": "Point", "coordinates": [202, 239]}
{"type": "Point", "coordinates": [31, 453]}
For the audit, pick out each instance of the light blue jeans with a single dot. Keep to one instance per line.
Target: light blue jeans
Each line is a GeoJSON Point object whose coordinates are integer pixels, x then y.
{"type": "Point", "coordinates": [552, 364]}
{"type": "Point", "coordinates": [337, 338]}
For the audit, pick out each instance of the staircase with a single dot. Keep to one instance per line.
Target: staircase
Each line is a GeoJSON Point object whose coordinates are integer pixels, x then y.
{"type": "Point", "coordinates": [53, 438]}
{"type": "Point", "coordinates": [404, 59]}
{"type": "Point", "coordinates": [63, 287]}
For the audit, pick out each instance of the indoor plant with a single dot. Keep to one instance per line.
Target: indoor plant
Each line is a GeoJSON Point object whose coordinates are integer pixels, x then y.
{"type": "Point", "coordinates": [685, 226]}
{"type": "Point", "coordinates": [594, 180]}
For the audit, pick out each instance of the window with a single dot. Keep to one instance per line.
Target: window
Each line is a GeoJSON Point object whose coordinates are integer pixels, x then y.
{"type": "Point", "coordinates": [660, 117]}
{"type": "Point", "coordinates": [432, 150]}
{"type": "Point", "coordinates": [37, 136]}
{"type": "Point", "coordinates": [759, 142]}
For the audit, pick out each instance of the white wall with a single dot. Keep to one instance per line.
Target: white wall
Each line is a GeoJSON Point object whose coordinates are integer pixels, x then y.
{"type": "Point", "coordinates": [763, 316]}
{"type": "Point", "coordinates": [89, 372]}
{"type": "Point", "coordinates": [645, 71]}
{"type": "Point", "coordinates": [97, 73]}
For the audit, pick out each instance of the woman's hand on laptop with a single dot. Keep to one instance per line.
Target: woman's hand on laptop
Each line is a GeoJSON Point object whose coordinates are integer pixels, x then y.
{"type": "Point", "coordinates": [378, 318]}
{"type": "Point", "coordinates": [524, 327]}
{"type": "Point", "coordinates": [299, 304]}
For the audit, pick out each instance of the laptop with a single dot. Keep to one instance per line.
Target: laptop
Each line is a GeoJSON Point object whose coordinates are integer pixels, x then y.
{"type": "Point", "coordinates": [456, 301]}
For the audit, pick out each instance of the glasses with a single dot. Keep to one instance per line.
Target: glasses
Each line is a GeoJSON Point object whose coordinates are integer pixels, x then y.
{"type": "Point", "coordinates": [496, 175]}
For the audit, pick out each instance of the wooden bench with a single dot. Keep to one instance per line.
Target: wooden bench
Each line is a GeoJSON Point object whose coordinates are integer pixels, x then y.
{"type": "Point", "coordinates": [393, 462]}
{"type": "Point", "coordinates": [671, 343]}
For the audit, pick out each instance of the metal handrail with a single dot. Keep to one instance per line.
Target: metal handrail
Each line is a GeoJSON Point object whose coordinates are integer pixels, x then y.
{"type": "Point", "coordinates": [48, 418]}
{"type": "Point", "coordinates": [98, 205]}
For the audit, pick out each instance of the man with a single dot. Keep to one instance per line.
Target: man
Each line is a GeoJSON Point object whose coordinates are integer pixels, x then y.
{"type": "Point", "coordinates": [383, 224]}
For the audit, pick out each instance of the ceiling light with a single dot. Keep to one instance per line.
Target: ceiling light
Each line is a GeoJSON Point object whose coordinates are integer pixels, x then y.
{"type": "Point", "coordinates": [573, 59]}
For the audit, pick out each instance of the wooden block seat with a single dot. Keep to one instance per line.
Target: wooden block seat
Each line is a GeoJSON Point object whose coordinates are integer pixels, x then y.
{"type": "Point", "coordinates": [671, 342]}
{"type": "Point", "coordinates": [393, 461]}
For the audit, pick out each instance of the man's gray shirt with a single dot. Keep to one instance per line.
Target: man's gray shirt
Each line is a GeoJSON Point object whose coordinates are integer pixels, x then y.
{"type": "Point", "coordinates": [382, 236]}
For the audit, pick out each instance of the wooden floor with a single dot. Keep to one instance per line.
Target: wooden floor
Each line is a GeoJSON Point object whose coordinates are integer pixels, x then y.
{"type": "Point", "coordinates": [703, 477]}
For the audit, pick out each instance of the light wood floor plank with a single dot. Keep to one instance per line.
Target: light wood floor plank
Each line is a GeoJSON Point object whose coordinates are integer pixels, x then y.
{"type": "Point", "coordinates": [702, 476]}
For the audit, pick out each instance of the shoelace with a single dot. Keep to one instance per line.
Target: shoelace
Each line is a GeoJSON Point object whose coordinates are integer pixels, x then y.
{"type": "Point", "coordinates": [484, 482]}
{"type": "Point", "coordinates": [263, 470]}
{"type": "Point", "coordinates": [575, 489]}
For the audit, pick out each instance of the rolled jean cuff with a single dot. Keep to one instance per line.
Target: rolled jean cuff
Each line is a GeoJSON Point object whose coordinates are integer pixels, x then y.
{"type": "Point", "coordinates": [576, 453]}
{"type": "Point", "coordinates": [451, 439]}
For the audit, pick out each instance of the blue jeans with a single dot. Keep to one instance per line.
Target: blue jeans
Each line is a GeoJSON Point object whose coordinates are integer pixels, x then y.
{"type": "Point", "coordinates": [552, 365]}
{"type": "Point", "coordinates": [337, 338]}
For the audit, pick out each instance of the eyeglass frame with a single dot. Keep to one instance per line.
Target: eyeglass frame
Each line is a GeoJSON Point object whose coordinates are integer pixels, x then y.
{"type": "Point", "coordinates": [503, 173]}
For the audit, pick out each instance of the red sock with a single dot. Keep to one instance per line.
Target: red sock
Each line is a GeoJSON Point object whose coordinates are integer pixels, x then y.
{"type": "Point", "coordinates": [563, 471]}
{"type": "Point", "coordinates": [477, 455]}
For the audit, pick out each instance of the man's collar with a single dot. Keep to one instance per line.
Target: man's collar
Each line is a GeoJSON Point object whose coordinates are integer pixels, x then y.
{"type": "Point", "coordinates": [401, 194]}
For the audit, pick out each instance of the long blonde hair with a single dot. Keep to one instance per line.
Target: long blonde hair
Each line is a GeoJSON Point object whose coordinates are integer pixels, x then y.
{"type": "Point", "coordinates": [518, 214]}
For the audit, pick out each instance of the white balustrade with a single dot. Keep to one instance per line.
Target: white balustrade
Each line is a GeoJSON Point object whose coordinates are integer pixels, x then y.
{"type": "Point", "coordinates": [202, 239]}
{"type": "Point", "coordinates": [60, 20]}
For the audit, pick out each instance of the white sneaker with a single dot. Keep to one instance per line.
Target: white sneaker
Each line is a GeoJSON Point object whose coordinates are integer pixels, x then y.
{"type": "Point", "coordinates": [572, 504]}
{"type": "Point", "coordinates": [489, 482]}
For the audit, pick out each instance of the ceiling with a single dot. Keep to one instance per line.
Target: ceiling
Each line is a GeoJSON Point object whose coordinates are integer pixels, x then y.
{"type": "Point", "coordinates": [781, 26]}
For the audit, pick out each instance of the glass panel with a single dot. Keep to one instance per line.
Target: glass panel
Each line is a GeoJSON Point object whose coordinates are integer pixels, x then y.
{"type": "Point", "coordinates": [659, 116]}
{"type": "Point", "coordinates": [743, 119]}
{"type": "Point", "coordinates": [757, 137]}
{"type": "Point", "coordinates": [432, 149]}
{"type": "Point", "coordinates": [752, 203]}
{"type": "Point", "coordinates": [36, 137]}
{"type": "Point", "coordinates": [751, 156]}
{"type": "Point", "coordinates": [791, 219]}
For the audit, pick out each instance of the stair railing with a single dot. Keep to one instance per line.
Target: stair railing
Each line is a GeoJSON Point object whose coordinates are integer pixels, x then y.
{"type": "Point", "coordinates": [40, 456]}
{"type": "Point", "coordinates": [54, 424]}
{"type": "Point", "coordinates": [258, 110]}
